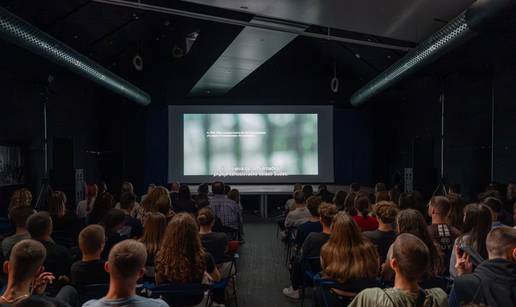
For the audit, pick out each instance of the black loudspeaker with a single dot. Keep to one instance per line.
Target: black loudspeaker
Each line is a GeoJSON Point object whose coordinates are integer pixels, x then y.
{"type": "Point", "coordinates": [423, 159]}
{"type": "Point", "coordinates": [62, 176]}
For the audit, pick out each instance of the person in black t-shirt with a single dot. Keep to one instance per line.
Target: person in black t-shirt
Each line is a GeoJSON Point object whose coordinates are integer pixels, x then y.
{"type": "Point", "coordinates": [311, 248]}
{"type": "Point", "coordinates": [184, 202]}
{"type": "Point", "coordinates": [385, 235]}
{"type": "Point", "coordinates": [113, 222]}
{"type": "Point", "coordinates": [58, 258]}
{"type": "Point", "coordinates": [132, 227]}
{"type": "Point", "coordinates": [215, 243]}
{"type": "Point", "coordinates": [90, 270]}
{"type": "Point", "coordinates": [313, 224]}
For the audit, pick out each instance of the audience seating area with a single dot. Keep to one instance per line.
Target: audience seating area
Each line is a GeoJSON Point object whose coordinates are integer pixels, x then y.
{"type": "Point", "coordinates": [172, 248]}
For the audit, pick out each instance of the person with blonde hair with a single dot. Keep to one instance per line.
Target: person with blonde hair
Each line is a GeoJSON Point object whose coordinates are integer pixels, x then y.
{"type": "Point", "coordinates": [182, 259]}
{"type": "Point", "coordinates": [20, 197]}
{"type": "Point", "coordinates": [149, 203]}
{"type": "Point", "coordinates": [154, 230]}
{"type": "Point", "coordinates": [349, 258]}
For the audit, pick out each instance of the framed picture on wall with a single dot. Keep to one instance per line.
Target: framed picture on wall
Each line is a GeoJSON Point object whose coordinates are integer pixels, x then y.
{"type": "Point", "coordinates": [11, 165]}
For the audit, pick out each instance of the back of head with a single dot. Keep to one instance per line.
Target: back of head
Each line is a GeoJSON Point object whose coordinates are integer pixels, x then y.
{"type": "Point", "coordinates": [184, 192]}
{"type": "Point", "coordinates": [477, 224]}
{"type": "Point", "coordinates": [113, 219]}
{"type": "Point", "coordinates": [349, 203]}
{"type": "Point", "coordinates": [501, 243]}
{"type": "Point", "coordinates": [202, 201]}
{"type": "Point", "coordinates": [149, 202]}
{"type": "Point", "coordinates": [162, 205]}
{"type": "Point", "coordinates": [227, 188]}
{"type": "Point", "coordinates": [298, 186]}
{"type": "Point", "coordinates": [57, 203]}
{"type": "Point", "coordinates": [355, 187]}
{"type": "Point", "coordinates": [234, 195]}
{"type": "Point", "coordinates": [493, 203]}
{"type": "Point", "coordinates": [205, 217]}
{"type": "Point", "coordinates": [313, 203]}
{"type": "Point", "coordinates": [127, 200]}
{"type": "Point", "coordinates": [154, 230]}
{"type": "Point", "coordinates": [362, 205]}
{"type": "Point", "coordinates": [21, 197]}
{"type": "Point", "coordinates": [322, 187]}
{"type": "Point", "coordinates": [308, 190]}
{"type": "Point", "coordinates": [326, 196]}
{"type": "Point", "coordinates": [412, 256]}
{"type": "Point", "coordinates": [380, 187]}
{"type": "Point", "coordinates": [127, 187]}
{"type": "Point", "coordinates": [456, 215]}
{"type": "Point", "coordinates": [127, 259]}
{"type": "Point", "coordinates": [203, 189]}
{"type": "Point", "coordinates": [27, 257]}
{"type": "Point", "coordinates": [347, 254]}
{"type": "Point", "coordinates": [394, 195]}
{"type": "Point", "coordinates": [299, 197]}
{"type": "Point", "coordinates": [441, 205]}
{"type": "Point", "coordinates": [174, 186]}
{"type": "Point", "coordinates": [386, 212]}
{"type": "Point", "coordinates": [181, 256]}
{"type": "Point", "coordinates": [382, 196]}
{"type": "Point", "coordinates": [327, 213]}
{"type": "Point", "coordinates": [92, 239]}
{"type": "Point", "coordinates": [39, 225]}
{"type": "Point", "coordinates": [217, 188]}
{"type": "Point", "coordinates": [339, 198]}
{"type": "Point", "coordinates": [19, 215]}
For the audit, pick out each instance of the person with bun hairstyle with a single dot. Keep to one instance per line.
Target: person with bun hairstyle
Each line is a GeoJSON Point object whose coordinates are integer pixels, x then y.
{"type": "Point", "coordinates": [363, 220]}
{"type": "Point", "coordinates": [385, 235]}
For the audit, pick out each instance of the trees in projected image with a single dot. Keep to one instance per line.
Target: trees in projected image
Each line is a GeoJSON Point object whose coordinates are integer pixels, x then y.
{"type": "Point", "coordinates": [287, 142]}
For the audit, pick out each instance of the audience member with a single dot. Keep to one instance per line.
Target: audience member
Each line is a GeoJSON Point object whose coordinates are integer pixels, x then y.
{"type": "Point", "coordinates": [325, 195]}
{"type": "Point", "coordinates": [363, 220]}
{"type": "Point", "coordinates": [227, 188]}
{"type": "Point", "coordinates": [381, 196]}
{"type": "Point", "coordinates": [203, 190]}
{"type": "Point", "coordinates": [225, 209]}
{"type": "Point", "coordinates": [58, 259]}
{"type": "Point", "coordinates": [495, 206]}
{"type": "Point", "coordinates": [394, 195]}
{"type": "Point", "coordinates": [339, 199]}
{"type": "Point", "coordinates": [132, 227]}
{"type": "Point", "coordinates": [182, 259]}
{"type": "Point", "coordinates": [300, 213]}
{"type": "Point", "coordinates": [215, 243]}
{"type": "Point", "coordinates": [201, 202]}
{"type": "Point", "coordinates": [26, 278]}
{"type": "Point", "coordinates": [385, 235]}
{"type": "Point", "coordinates": [174, 191]}
{"type": "Point", "coordinates": [410, 260]}
{"type": "Point", "coordinates": [150, 188]}
{"type": "Point", "coordinates": [311, 248]}
{"type": "Point", "coordinates": [492, 282]}
{"type": "Point", "coordinates": [477, 224]}
{"type": "Point", "coordinates": [442, 233]}
{"type": "Point", "coordinates": [289, 204]}
{"type": "Point", "coordinates": [349, 259]}
{"type": "Point", "coordinates": [163, 205]}
{"type": "Point", "coordinates": [103, 204]}
{"type": "Point", "coordinates": [154, 230]}
{"type": "Point", "coordinates": [18, 216]}
{"type": "Point", "coordinates": [234, 195]}
{"type": "Point", "coordinates": [314, 221]}
{"type": "Point", "coordinates": [137, 210]}
{"type": "Point", "coordinates": [85, 206]}
{"type": "Point", "coordinates": [349, 203]}
{"type": "Point", "coordinates": [63, 220]}
{"type": "Point", "coordinates": [308, 190]}
{"type": "Point", "coordinates": [125, 265]}
{"type": "Point", "coordinates": [380, 187]}
{"type": "Point", "coordinates": [454, 189]}
{"type": "Point", "coordinates": [149, 203]}
{"type": "Point", "coordinates": [113, 223]}
{"type": "Point", "coordinates": [184, 202]}
{"type": "Point", "coordinates": [456, 216]}
{"type": "Point", "coordinates": [90, 269]}
{"type": "Point", "coordinates": [21, 197]}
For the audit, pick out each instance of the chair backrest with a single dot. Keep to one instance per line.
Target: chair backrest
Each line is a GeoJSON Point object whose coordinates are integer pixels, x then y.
{"type": "Point", "coordinates": [188, 294]}
{"type": "Point", "coordinates": [325, 289]}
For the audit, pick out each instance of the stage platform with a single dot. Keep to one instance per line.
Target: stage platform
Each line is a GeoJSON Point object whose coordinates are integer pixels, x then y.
{"type": "Point", "coordinates": [264, 190]}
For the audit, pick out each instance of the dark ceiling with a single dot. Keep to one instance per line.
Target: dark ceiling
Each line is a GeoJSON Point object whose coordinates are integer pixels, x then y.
{"type": "Point", "coordinates": [112, 35]}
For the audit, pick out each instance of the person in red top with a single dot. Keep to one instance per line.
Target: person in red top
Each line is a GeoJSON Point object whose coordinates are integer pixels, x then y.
{"type": "Point", "coordinates": [364, 221]}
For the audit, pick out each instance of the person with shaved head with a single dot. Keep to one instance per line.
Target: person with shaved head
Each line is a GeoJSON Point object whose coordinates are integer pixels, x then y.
{"type": "Point", "coordinates": [27, 279]}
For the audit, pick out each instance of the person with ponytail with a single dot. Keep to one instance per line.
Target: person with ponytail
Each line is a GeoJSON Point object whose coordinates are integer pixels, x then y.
{"type": "Point", "coordinates": [364, 221]}
{"type": "Point", "coordinates": [85, 206]}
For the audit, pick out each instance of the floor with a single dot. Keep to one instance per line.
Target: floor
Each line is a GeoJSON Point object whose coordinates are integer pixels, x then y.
{"type": "Point", "coordinates": [262, 271]}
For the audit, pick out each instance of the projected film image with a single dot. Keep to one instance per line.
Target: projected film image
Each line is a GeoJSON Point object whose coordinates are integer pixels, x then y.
{"type": "Point", "coordinates": [224, 145]}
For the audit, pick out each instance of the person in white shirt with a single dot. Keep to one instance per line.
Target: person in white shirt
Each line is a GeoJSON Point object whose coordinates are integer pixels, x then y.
{"type": "Point", "coordinates": [85, 206]}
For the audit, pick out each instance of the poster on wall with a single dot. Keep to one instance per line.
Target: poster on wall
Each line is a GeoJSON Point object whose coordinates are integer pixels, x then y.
{"type": "Point", "coordinates": [11, 166]}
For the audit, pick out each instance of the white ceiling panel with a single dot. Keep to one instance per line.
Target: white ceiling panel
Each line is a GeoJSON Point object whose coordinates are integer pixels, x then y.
{"type": "Point", "coordinates": [408, 20]}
